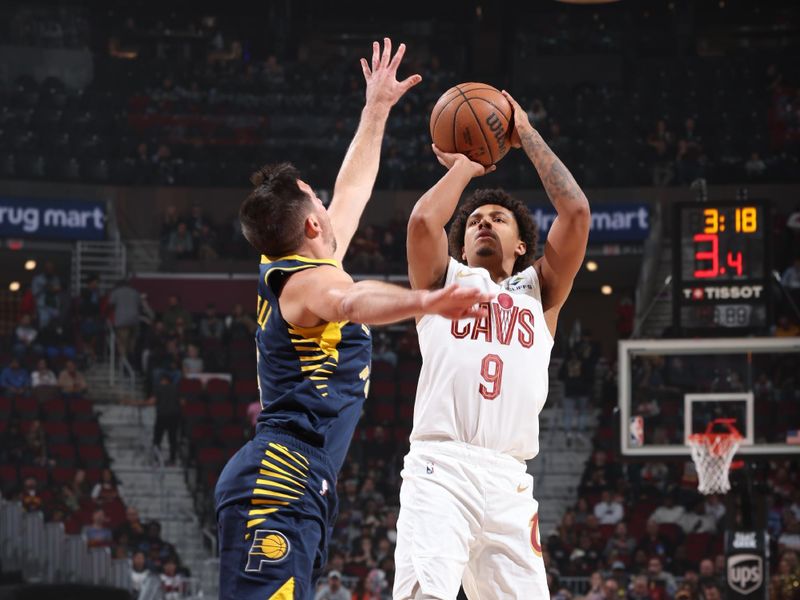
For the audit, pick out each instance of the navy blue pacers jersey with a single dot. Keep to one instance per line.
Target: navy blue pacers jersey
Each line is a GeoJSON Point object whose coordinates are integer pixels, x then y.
{"type": "Point", "coordinates": [313, 380]}
{"type": "Point", "coordinates": [276, 498]}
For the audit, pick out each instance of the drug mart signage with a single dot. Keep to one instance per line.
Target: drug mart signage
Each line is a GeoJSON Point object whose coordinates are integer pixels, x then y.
{"type": "Point", "coordinates": [617, 223]}
{"type": "Point", "coordinates": [52, 219]}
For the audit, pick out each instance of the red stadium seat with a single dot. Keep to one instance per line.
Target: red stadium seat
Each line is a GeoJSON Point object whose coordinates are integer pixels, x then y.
{"type": "Point", "coordinates": [5, 408]}
{"type": "Point", "coordinates": [210, 456]}
{"type": "Point", "coordinates": [245, 387]}
{"type": "Point", "coordinates": [61, 475]}
{"type": "Point", "coordinates": [92, 456]}
{"type": "Point", "coordinates": [8, 475]}
{"type": "Point", "coordinates": [218, 386]}
{"type": "Point", "coordinates": [231, 435]}
{"type": "Point", "coordinates": [401, 435]}
{"type": "Point", "coordinates": [195, 411]}
{"type": "Point", "coordinates": [408, 390]}
{"type": "Point", "coordinates": [405, 410]}
{"type": "Point", "coordinates": [38, 473]}
{"type": "Point", "coordinates": [86, 432]}
{"type": "Point", "coordinates": [606, 531]}
{"type": "Point", "coordinates": [220, 411]}
{"type": "Point", "coordinates": [54, 409]}
{"type": "Point", "coordinates": [57, 432]}
{"type": "Point", "coordinates": [383, 412]}
{"type": "Point", "coordinates": [382, 390]}
{"type": "Point", "coordinates": [26, 408]}
{"type": "Point", "coordinates": [64, 454]}
{"type": "Point", "coordinates": [697, 546]}
{"type": "Point", "coordinates": [81, 409]}
{"type": "Point", "coordinates": [201, 435]}
{"type": "Point", "coordinates": [671, 531]}
{"type": "Point", "coordinates": [188, 387]}
{"type": "Point", "coordinates": [382, 370]}
{"type": "Point", "coordinates": [212, 476]}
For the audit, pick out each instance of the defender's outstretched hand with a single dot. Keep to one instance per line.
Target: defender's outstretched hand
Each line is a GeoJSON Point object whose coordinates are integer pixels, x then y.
{"type": "Point", "coordinates": [449, 160]}
{"type": "Point", "coordinates": [455, 302]}
{"type": "Point", "coordinates": [521, 121]}
{"type": "Point", "coordinates": [382, 85]}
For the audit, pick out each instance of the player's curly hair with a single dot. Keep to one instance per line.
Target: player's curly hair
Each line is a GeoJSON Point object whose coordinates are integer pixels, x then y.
{"type": "Point", "coordinates": [528, 230]}
{"type": "Point", "coordinates": [272, 215]}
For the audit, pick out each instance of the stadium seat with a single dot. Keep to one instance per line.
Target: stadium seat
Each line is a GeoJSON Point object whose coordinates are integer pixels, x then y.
{"type": "Point", "coordinates": [408, 389]}
{"type": "Point", "coordinates": [26, 408]}
{"type": "Point", "coordinates": [191, 389]}
{"type": "Point", "coordinates": [210, 456]}
{"type": "Point", "coordinates": [231, 435]}
{"type": "Point", "coordinates": [405, 409]}
{"type": "Point", "coordinates": [92, 456]}
{"type": "Point", "coordinates": [81, 409]}
{"type": "Point", "coordinates": [697, 546]}
{"type": "Point", "coordinates": [382, 390]}
{"type": "Point", "coordinates": [382, 370]}
{"type": "Point", "coordinates": [38, 473]}
{"type": "Point", "coordinates": [54, 409]}
{"type": "Point", "coordinates": [8, 475]}
{"type": "Point", "coordinates": [218, 390]}
{"type": "Point", "coordinates": [671, 531]}
{"type": "Point", "coordinates": [86, 432]}
{"type": "Point", "coordinates": [382, 412]}
{"type": "Point", "coordinates": [195, 411]}
{"type": "Point", "coordinates": [62, 475]}
{"type": "Point", "coordinates": [220, 411]}
{"type": "Point", "coordinates": [245, 390]}
{"type": "Point", "coordinates": [64, 454]}
{"type": "Point", "coordinates": [57, 432]}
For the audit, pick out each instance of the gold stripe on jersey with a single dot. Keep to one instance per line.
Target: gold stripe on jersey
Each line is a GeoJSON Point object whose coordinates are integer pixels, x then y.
{"type": "Point", "coordinates": [270, 501]}
{"type": "Point", "coordinates": [254, 522]}
{"type": "Point", "coordinates": [274, 456]}
{"type": "Point", "coordinates": [266, 473]}
{"type": "Point", "coordinates": [280, 486]}
{"type": "Point", "coordinates": [295, 456]}
{"type": "Point", "coordinates": [274, 494]}
{"type": "Point", "coordinates": [303, 259]}
{"type": "Point", "coordinates": [269, 465]}
{"type": "Point", "coordinates": [261, 511]}
{"type": "Point", "coordinates": [286, 591]}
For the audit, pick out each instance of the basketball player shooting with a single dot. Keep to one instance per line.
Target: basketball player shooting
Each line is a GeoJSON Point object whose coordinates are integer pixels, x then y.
{"type": "Point", "coordinates": [276, 497]}
{"type": "Point", "coordinates": [467, 509]}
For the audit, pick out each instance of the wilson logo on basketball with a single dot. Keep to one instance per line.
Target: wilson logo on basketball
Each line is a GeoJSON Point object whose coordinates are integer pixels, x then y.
{"type": "Point", "coordinates": [499, 132]}
{"type": "Point", "coordinates": [536, 542]}
{"type": "Point", "coordinates": [502, 321]}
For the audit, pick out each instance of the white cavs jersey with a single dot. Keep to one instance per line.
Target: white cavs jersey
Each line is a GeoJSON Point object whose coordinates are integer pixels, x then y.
{"type": "Point", "coordinates": [484, 380]}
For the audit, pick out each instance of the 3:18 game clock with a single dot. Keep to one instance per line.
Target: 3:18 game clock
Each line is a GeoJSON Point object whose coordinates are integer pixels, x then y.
{"type": "Point", "coordinates": [721, 266]}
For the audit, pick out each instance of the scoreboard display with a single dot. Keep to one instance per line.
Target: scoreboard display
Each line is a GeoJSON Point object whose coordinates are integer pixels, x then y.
{"type": "Point", "coordinates": [721, 267]}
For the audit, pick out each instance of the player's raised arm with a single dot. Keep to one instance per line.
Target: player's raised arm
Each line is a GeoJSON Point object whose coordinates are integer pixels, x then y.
{"type": "Point", "coordinates": [329, 294]}
{"type": "Point", "coordinates": [360, 167]}
{"type": "Point", "coordinates": [566, 242]}
{"type": "Point", "coordinates": [426, 245]}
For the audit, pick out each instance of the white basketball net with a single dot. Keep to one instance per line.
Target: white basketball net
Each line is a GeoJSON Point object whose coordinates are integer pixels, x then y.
{"type": "Point", "coordinates": [712, 454]}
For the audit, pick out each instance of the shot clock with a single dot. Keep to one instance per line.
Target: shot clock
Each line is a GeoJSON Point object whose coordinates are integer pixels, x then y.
{"type": "Point", "coordinates": [721, 267]}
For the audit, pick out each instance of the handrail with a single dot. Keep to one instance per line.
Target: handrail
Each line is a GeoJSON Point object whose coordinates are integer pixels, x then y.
{"type": "Point", "coordinates": [646, 285]}
{"type": "Point", "coordinates": [209, 535]}
{"type": "Point", "coordinates": [126, 371]}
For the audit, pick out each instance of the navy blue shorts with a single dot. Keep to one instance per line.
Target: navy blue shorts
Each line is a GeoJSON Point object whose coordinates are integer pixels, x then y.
{"type": "Point", "coordinates": [276, 505]}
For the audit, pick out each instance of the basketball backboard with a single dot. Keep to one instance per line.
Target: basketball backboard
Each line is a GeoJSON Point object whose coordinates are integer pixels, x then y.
{"type": "Point", "coordinates": [670, 389]}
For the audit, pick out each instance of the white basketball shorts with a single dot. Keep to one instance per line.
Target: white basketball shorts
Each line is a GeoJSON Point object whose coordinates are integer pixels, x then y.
{"type": "Point", "coordinates": [467, 515]}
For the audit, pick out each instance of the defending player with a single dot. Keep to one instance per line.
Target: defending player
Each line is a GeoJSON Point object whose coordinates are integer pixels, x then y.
{"type": "Point", "coordinates": [276, 498]}
{"type": "Point", "coordinates": [467, 509]}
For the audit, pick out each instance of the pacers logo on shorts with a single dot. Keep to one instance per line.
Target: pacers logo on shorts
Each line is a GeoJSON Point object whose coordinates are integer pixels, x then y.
{"type": "Point", "coordinates": [269, 546]}
{"type": "Point", "coordinates": [536, 542]}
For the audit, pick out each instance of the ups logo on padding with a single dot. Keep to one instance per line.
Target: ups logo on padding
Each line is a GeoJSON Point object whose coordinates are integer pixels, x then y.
{"type": "Point", "coordinates": [745, 573]}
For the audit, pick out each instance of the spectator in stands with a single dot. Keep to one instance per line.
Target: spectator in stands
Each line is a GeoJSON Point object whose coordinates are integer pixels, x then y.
{"type": "Point", "coordinates": [611, 589]}
{"type": "Point", "coordinates": [697, 521]}
{"type": "Point", "coordinates": [80, 486]}
{"type": "Point", "coordinates": [140, 574]}
{"type": "Point", "coordinates": [333, 589]}
{"type": "Point", "coordinates": [669, 512]}
{"type": "Point", "coordinates": [790, 538]}
{"type": "Point", "coordinates": [383, 351]}
{"type": "Point", "coordinates": [785, 583]}
{"type": "Point", "coordinates": [180, 243]}
{"type": "Point", "coordinates": [714, 508]}
{"type": "Point", "coordinates": [12, 446]}
{"type": "Point", "coordinates": [105, 490]}
{"type": "Point", "coordinates": [707, 574]}
{"type": "Point", "coordinates": [96, 534]}
{"type": "Point", "coordinates": [574, 373]}
{"type": "Point", "coordinates": [14, 380]}
{"type": "Point", "coordinates": [240, 325]}
{"type": "Point", "coordinates": [211, 326]}
{"type": "Point", "coordinates": [43, 376]}
{"type": "Point", "coordinates": [133, 527]}
{"type": "Point", "coordinates": [71, 381]}
{"type": "Point", "coordinates": [172, 583]}
{"type": "Point", "coordinates": [621, 544]}
{"type": "Point", "coordinates": [537, 112]}
{"type": "Point", "coordinates": [791, 276]}
{"type": "Point", "coordinates": [661, 578]}
{"type": "Point", "coordinates": [661, 142]}
{"type": "Point", "coordinates": [36, 443]}
{"type": "Point", "coordinates": [91, 316]}
{"type": "Point", "coordinates": [171, 219]}
{"type": "Point", "coordinates": [608, 511]}
{"type": "Point", "coordinates": [45, 279]}
{"type": "Point", "coordinates": [126, 303]}
{"type": "Point", "coordinates": [175, 312]}
{"type": "Point", "coordinates": [193, 362]}
{"type": "Point", "coordinates": [755, 167]}
{"type": "Point", "coordinates": [595, 591]}
{"type": "Point", "coordinates": [654, 543]}
{"type": "Point", "coordinates": [168, 405]}
{"type": "Point", "coordinates": [639, 589]}
{"type": "Point", "coordinates": [712, 592]}
{"type": "Point", "coordinates": [31, 496]}
{"type": "Point", "coordinates": [24, 337]}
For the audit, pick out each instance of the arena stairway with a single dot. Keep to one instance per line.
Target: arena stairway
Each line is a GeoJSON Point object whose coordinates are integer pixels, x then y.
{"type": "Point", "coordinates": [143, 255]}
{"type": "Point", "coordinates": [660, 315]}
{"type": "Point", "coordinates": [558, 468]}
{"type": "Point", "coordinates": [158, 492]}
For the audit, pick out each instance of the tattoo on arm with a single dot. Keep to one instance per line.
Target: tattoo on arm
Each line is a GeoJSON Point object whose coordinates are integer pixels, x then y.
{"type": "Point", "coordinates": [557, 180]}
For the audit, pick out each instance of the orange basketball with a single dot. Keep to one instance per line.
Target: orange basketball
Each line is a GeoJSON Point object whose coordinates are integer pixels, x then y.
{"type": "Point", "coordinates": [474, 119]}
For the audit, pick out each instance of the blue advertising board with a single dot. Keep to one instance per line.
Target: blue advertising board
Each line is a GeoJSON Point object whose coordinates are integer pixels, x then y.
{"type": "Point", "coordinates": [610, 222]}
{"type": "Point", "coordinates": [52, 219]}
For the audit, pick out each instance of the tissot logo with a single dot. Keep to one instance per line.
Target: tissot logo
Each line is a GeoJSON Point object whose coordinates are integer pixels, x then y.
{"type": "Point", "coordinates": [745, 573]}
{"type": "Point", "coordinates": [723, 292]}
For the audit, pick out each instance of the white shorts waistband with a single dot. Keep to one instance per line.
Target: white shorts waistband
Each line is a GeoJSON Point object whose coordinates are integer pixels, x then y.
{"type": "Point", "coordinates": [485, 457]}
